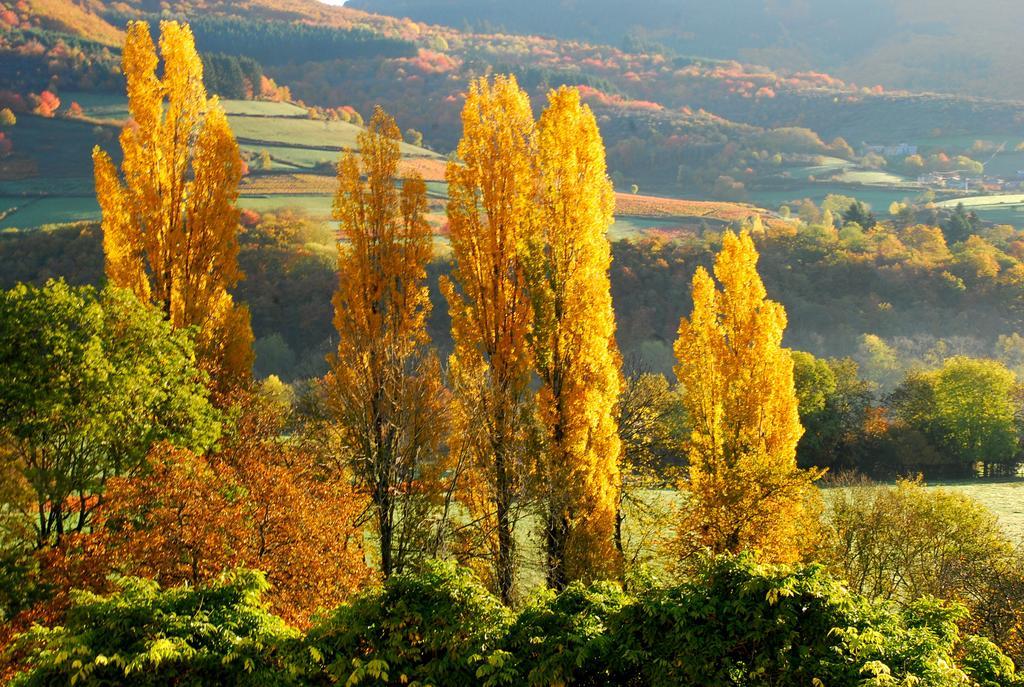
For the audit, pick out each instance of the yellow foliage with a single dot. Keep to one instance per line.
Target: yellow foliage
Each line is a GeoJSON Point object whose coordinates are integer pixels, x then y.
{"type": "Point", "coordinates": [169, 218]}
{"type": "Point", "coordinates": [385, 384]}
{"type": "Point", "coordinates": [491, 214]}
{"type": "Point", "coordinates": [745, 491]}
{"type": "Point", "coordinates": [573, 341]}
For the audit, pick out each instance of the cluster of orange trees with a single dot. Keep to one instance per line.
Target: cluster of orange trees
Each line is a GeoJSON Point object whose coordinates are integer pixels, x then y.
{"type": "Point", "coordinates": [520, 424]}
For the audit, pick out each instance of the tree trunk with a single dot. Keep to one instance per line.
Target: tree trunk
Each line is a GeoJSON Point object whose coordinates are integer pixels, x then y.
{"type": "Point", "coordinates": [505, 565]}
{"type": "Point", "coordinates": [557, 536]}
{"type": "Point", "coordinates": [386, 532]}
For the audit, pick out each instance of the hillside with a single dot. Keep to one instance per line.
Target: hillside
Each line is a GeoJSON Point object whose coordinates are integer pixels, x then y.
{"type": "Point", "coordinates": [937, 45]}
{"type": "Point", "coordinates": [696, 128]}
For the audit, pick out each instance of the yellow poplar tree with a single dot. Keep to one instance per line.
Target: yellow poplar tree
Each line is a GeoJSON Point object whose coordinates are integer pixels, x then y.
{"type": "Point", "coordinates": [384, 388]}
{"type": "Point", "coordinates": [169, 218]}
{"type": "Point", "coordinates": [573, 343]}
{"type": "Point", "coordinates": [491, 215]}
{"type": "Point", "coordinates": [745, 490]}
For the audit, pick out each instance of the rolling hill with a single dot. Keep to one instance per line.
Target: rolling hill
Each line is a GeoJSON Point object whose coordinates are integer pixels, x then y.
{"type": "Point", "coordinates": [701, 128]}
{"type": "Point", "coordinates": [935, 45]}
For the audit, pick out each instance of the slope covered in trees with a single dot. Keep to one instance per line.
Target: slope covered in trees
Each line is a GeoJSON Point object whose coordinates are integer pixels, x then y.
{"type": "Point", "coordinates": [914, 44]}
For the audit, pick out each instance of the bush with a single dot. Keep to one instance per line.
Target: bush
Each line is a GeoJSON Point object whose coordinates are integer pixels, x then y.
{"type": "Point", "coordinates": [906, 542]}
{"type": "Point", "coordinates": [733, 624]}
{"type": "Point", "coordinates": [564, 639]}
{"type": "Point", "coordinates": [432, 628]}
{"type": "Point", "coordinates": [218, 634]}
{"type": "Point", "coordinates": [739, 623]}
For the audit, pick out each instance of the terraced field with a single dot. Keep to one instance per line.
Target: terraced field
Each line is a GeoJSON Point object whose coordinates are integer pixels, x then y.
{"type": "Point", "coordinates": [302, 151]}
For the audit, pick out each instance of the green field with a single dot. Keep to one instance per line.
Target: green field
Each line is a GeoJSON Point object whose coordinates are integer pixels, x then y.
{"type": "Point", "coordinates": [1001, 209]}
{"type": "Point", "coordinates": [288, 157]}
{"type": "Point", "coordinates": [871, 178]}
{"type": "Point", "coordinates": [317, 206]}
{"type": "Point", "coordinates": [1005, 499]}
{"type": "Point", "coordinates": [985, 202]}
{"type": "Point", "coordinates": [878, 198]}
{"type": "Point", "coordinates": [112, 106]}
{"type": "Point", "coordinates": [300, 133]}
{"type": "Point", "coordinates": [35, 212]}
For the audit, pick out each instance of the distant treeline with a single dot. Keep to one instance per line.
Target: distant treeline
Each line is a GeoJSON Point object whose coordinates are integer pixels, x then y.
{"type": "Point", "coordinates": [231, 76]}
{"type": "Point", "coordinates": [278, 42]}
{"type": "Point", "coordinates": [534, 79]}
{"type": "Point", "coordinates": [34, 59]}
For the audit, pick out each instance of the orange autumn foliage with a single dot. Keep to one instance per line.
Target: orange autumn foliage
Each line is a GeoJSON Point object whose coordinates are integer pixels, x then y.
{"type": "Point", "coordinates": [384, 390]}
{"type": "Point", "coordinates": [491, 215]}
{"type": "Point", "coordinates": [262, 503]}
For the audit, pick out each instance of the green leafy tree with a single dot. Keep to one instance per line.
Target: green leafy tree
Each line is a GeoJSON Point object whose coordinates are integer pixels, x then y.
{"type": "Point", "coordinates": [834, 404]}
{"type": "Point", "coordinates": [105, 377]}
{"type": "Point", "coordinates": [859, 214]}
{"type": "Point", "coordinates": [968, 410]}
{"type": "Point", "coordinates": [961, 224]}
{"type": "Point", "coordinates": [414, 137]}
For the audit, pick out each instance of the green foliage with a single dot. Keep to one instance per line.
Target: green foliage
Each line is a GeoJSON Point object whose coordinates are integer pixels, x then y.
{"type": "Point", "coordinates": [860, 215]}
{"type": "Point", "coordinates": [907, 542]}
{"type": "Point", "coordinates": [731, 623]}
{"type": "Point", "coordinates": [277, 42]}
{"type": "Point", "coordinates": [967, 409]}
{"type": "Point", "coordinates": [834, 404]}
{"type": "Point", "coordinates": [563, 639]}
{"type": "Point", "coordinates": [738, 623]}
{"type": "Point", "coordinates": [987, 665]}
{"type": "Point", "coordinates": [231, 76]}
{"type": "Point", "coordinates": [142, 636]}
{"type": "Point", "coordinates": [105, 377]}
{"type": "Point", "coordinates": [434, 628]}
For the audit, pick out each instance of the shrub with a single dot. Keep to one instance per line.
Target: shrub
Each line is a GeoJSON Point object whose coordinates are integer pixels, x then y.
{"type": "Point", "coordinates": [217, 634]}
{"type": "Point", "coordinates": [432, 628]}
{"type": "Point", "coordinates": [739, 623]}
{"type": "Point", "coordinates": [564, 639]}
{"type": "Point", "coordinates": [735, 623]}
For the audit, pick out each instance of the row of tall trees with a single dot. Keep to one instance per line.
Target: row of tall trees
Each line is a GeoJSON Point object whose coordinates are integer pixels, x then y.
{"type": "Point", "coordinates": [528, 421]}
{"type": "Point", "coordinates": [530, 301]}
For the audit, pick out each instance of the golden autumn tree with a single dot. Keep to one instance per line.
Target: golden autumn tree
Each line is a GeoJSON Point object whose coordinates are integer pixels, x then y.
{"type": "Point", "coordinates": [745, 491]}
{"type": "Point", "coordinates": [491, 214]}
{"type": "Point", "coordinates": [384, 389]}
{"type": "Point", "coordinates": [573, 343]}
{"type": "Point", "coordinates": [169, 217]}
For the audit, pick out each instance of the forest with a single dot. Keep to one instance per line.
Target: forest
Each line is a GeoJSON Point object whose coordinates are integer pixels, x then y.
{"type": "Point", "coordinates": [250, 447]}
{"type": "Point", "coordinates": [924, 45]}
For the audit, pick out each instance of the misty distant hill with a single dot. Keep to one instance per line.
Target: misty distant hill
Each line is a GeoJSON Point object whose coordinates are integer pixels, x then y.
{"type": "Point", "coordinates": [941, 45]}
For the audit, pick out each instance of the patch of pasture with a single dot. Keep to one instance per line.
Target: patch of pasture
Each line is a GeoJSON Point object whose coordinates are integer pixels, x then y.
{"type": "Point", "coordinates": [314, 205]}
{"type": "Point", "coordinates": [1005, 499]}
{"type": "Point", "coordinates": [28, 213]}
{"type": "Point", "coordinates": [263, 108]}
{"type": "Point", "coordinates": [978, 202]}
{"type": "Point", "coordinates": [296, 132]}
{"type": "Point", "coordinates": [870, 178]}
